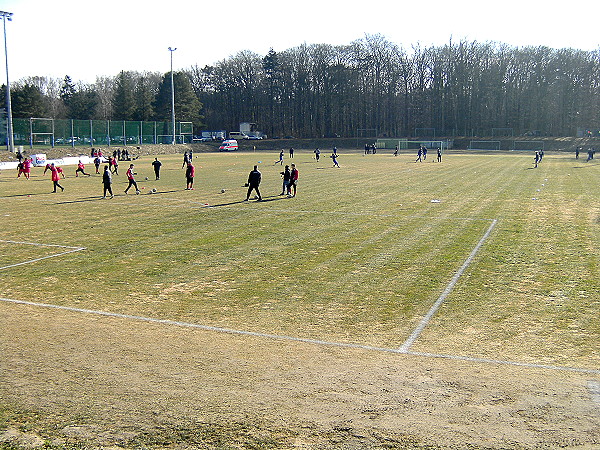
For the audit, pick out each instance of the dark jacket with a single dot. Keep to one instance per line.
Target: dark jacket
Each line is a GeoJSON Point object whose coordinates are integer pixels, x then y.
{"type": "Point", "coordinates": [254, 178]}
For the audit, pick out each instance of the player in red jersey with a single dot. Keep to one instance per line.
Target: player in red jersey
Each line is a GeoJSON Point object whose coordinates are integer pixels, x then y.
{"type": "Point", "coordinates": [190, 172]}
{"type": "Point", "coordinates": [131, 178]}
{"type": "Point", "coordinates": [81, 168]}
{"type": "Point", "coordinates": [55, 178]}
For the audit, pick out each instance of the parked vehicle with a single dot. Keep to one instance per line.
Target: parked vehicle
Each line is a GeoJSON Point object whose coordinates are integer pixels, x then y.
{"type": "Point", "coordinates": [228, 145]}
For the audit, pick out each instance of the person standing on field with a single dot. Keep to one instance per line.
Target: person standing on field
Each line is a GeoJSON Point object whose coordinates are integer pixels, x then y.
{"type": "Point", "coordinates": [97, 163]}
{"type": "Point", "coordinates": [27, 163]}
{"type": "Point", "coordinates": [55, 178]}
{"type": "Point", "coordinates": [439, 155]}
{"type": "Point", "coordinates": [190, 172]}
{"type": "Point", "coordinates": [254, 179]}
{"type": "Point", "coordinates": [156, 164]}
{"type": "Point", "coordinates": [131, 178]}
{"type": "Point", "coordinates": [286, 181]}
{"type": "Point", "coordinates": [107, 181]}
{"type": "Point", "coordinates": [293, 181]}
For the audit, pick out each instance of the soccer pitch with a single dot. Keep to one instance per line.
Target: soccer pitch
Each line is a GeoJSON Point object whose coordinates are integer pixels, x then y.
{"type": "Point", "coordinates": [505, 254]}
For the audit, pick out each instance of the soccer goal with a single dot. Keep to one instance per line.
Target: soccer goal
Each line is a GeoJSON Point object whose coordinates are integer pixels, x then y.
{"type": "Point", "coordinates": [41, 131]}
{"type": "Point", "coordinates": [528, 145]}
{"type": "Point", "coordinates": [484, 145]}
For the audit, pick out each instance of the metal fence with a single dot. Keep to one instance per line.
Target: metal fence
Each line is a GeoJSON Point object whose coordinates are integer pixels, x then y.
{"type": "Point", "coordinates": [70, 132]}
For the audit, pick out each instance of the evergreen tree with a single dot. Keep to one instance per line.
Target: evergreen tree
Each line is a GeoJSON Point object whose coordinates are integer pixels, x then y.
{"type": "Point", "coordinates": [66, 93]}
{"type": "Point", "coordinates": [187, 105]}
{"type": "Point", "coordinates": [28, 101]}
{"type": "Point", "coordinates": [124, 107]}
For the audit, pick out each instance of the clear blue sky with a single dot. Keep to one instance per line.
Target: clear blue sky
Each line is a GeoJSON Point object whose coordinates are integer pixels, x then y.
{"type": "Point", "coordinates": [85, 39]}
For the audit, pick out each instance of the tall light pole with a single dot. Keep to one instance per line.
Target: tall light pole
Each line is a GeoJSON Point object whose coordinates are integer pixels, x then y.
{"type": "Point", "coordinates": [9, 126]}
{"type": "Point", "coordinates": [172, 94]}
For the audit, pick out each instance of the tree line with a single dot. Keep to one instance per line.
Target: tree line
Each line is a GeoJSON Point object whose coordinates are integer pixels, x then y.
{"type": "Point", "coordinates": [371, 86]}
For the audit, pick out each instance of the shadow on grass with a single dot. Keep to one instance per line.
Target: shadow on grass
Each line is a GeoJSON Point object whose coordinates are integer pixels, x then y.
{"type": "Point", "coordinates": [273, 198]}
{"type": "Point", "coordinates": [264, 199]}
{"type": "Point", "coordinates": [27, 194]}
{"type": "Point", "coordinates": [587, 164]}
{"type": "Point", "coordinates": [81, 200]}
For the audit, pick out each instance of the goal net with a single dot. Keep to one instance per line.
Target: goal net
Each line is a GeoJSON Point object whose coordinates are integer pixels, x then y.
{"type": "Point", "coordinates": [41, 131]}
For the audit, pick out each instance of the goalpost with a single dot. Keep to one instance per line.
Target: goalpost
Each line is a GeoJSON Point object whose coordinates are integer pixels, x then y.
{"type": "Point", "coordinates": [186, 130]}
{"type": "Point", "coordinates": [41, 130]}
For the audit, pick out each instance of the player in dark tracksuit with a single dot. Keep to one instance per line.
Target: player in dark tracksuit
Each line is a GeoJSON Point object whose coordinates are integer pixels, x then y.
{"type": "Point", "coordinates": [254, 179]}
{"type": "Point", "coordinates": [156, 164]}
{"type": "Point", "coordinates": [107, 181]}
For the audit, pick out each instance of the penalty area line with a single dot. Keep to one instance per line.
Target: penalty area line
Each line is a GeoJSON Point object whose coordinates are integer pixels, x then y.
{"type": "Point", "coordinates": [425, 320]}
{"type": "Point", "coordinates": [594, 388]}
{"type": "Point", "coordinates": [55, 255]}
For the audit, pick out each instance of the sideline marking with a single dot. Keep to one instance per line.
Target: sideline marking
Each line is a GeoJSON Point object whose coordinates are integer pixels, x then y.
{"type": "Point", "coordinates": [298, 339]}
{"type": "Point", "coordinates": [594, 388]}
{"type": "Point", "coordinates": [425, 320]}
{"type": "Point", "coordinates": [71, 250]}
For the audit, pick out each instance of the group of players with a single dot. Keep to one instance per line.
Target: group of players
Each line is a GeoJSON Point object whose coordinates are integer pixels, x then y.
{"type": "Point", "coordinates": [289, 175]}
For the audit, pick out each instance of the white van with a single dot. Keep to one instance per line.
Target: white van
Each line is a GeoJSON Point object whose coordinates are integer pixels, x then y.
{"type": "Point", "coordinates": [229, 145]}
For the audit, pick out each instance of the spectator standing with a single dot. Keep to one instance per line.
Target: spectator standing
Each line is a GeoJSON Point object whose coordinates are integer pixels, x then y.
{"type": "Point", "coordinates": [293, 181]}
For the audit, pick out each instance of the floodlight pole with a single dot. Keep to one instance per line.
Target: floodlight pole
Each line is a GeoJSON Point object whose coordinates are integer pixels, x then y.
{"type": "Point", "coordinates": [9, 125]}
{"type": "Point", "coordinates": [172, 94]}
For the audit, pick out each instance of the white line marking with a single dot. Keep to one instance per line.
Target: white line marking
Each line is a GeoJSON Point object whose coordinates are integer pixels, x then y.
{"type": "Point", "coordinates": [297, 339]}
{"type": "Point", "coordinates": [594, 388]}
{"type": "Point", "coordinates": [71, 250]}
{"type": "Point", "coordinates": [425, 320]}
{"type": "Point", "coordinates": [38, 244]}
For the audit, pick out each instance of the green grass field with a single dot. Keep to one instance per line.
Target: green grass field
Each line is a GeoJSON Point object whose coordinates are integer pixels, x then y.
{"type": "Point", "coordinates": [359, 256]}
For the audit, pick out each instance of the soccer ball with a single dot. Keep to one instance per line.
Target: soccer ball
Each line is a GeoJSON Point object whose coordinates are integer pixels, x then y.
{"type": "Point", "coordinates": [153, 190]}
{"type": "Point", "coordinates": [146, 178]}
{"type": "Point", "coordinates": [222, 191]}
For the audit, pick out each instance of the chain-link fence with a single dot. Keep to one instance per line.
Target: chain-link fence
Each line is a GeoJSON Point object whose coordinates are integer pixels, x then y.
{"type": "Point", "coordinates": [70, 132]}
